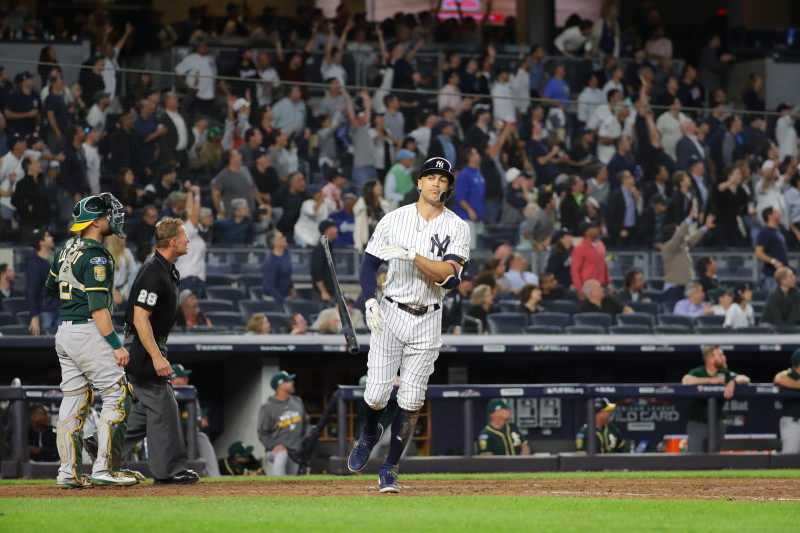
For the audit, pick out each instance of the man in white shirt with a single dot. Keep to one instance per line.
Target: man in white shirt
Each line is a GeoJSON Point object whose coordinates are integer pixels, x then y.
{"type": "Point", "coordinates": [10, 173]}
{"type": "Point", "coordinates": [192, 266]}
{"type": "Point", "coordinates": [590, 99]}
{"type": "Point", "coordinates": [615, 82]}
{"type": "Point", "coordinates": [197, 72]}
{"type": "Point", "coordinates": [92, 155]}
{"type": "Point", "coordinates": [603, 111]}
{"type": "Point", "coordinates": [785, 133]}
{"type": "Point", "coordinates": [520, 83]}
{"type": "Point", "coordinates": [610, 130]}
{"type": "Point", "coordinates": [575, 39]}
{"type": "Point", "coordinates": [289, 114]}
{"type": "Point", "coordinates": [270, 80]}
{"type": "Point", "coordinates": [502, 98]}
{"type": "Point", "coordinates": [111, 53]}
{"type": "Point", "coordinates": [98, 113]}
{"type": "Point", "coordinates": [517, 274]}
{"type": "Point", "coordinates": [769, 191]}
{"type": "Point", "coordinates": [422, 135]}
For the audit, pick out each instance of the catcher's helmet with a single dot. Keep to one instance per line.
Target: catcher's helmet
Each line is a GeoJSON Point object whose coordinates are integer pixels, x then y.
{"type": "Point", "coordinates": [93, 207]}
{"type": "Point", "coordinates": [442, 166]}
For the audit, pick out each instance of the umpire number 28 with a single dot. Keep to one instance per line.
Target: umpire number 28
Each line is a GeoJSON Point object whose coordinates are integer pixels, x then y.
{"type": "Point", "coordinates": [147, 297]}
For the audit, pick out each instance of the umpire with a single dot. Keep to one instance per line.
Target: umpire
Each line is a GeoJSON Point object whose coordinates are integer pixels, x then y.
{"type": "Point", "coordinates": [151, 312]}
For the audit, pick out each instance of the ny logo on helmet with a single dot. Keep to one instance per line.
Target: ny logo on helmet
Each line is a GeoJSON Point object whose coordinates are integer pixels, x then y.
{"type": "Point", "coordinates": [440, 164]}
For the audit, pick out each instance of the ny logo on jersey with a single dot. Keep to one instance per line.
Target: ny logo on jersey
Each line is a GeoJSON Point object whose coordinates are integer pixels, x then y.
{"type": "Point", "coordinates": [440, 164]}
{"type": "Point", "coordinates": [440, 247]}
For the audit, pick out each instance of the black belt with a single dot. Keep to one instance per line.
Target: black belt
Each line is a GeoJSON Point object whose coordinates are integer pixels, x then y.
{"type": "Point", "coordinates": [412, 310]}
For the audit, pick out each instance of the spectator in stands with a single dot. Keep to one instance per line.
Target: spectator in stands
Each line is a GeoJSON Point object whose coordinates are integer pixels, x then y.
{"type": "Point", "coordinates": [192, 265]}
{"type": "Point", "coordinates": [769, 191]}
{"type": "Point", "coordinates": [290, 197]}
{"type": "Point", "coordinates": [668, 126]}
{"type": "Point", "coordinates": [322, 284]}
{"type": "Point", "coordinates": [675, 254]}
{"type": "Point", "coordinates": [511, 211]}
{"type": "Point", "coordinates": [607, 436]}
{"type": "Point", "coordinates": [712, 64]}
{"type": "Point", "coordinates": [604, 110]}
{"type": "Point", "coordinates": [559, 264]}
{"type": "Point", "coordinates": [517, 274]}
{"type": "Point", "coordinates": [550, 287]}
{"type": "Point", "coordinates": [574, 40]}
{"type": "Point", "coordinates": [290, 112]}
{"type": "Point", "coordinates": [653, 221]}
{"type": "Point", "coordinates": [197, 73]}
{"type": "Point", "coordinates": [596, 301]}
{"type": "Point", "coordinates": [683, 198]}
{"type": "Point", "coordinates": [333, 189]}
{"type": "Point", "coordinates": [42, 445]}
{"type": "Point", "coordinates": [233, 181]}
{"type": "Point", "coordinates": [610, 131]}
{"type": "Point", "coordinates": [126, 191]}
{"type": "Point", "coordinates": [91, 153]}
{"type": "Point", "coordinates": [57, 113]}
{"type": "Point", "coordinates": [190, 316]}
{"type": "Point", "coordinates": [252, 141]}
{"type": "Point", "coordinates": [501, 436]}
{"type": "Point", "coordinates": [399, 180]}
{"type": "Point", "coordinates": [598, 186]}
{"type": "Point", "coordinates": [693, 303]}
{"type": "Point", "coordinates": [707, 273]}
{"type": "Point", "coordinates": [573, 207]}
{"type": "Point", "coordinates": [243, 72]}
{"type": "Point", "coordinates": [721, 299]}
{"type": "Point", "coordinates": [158, 190]}
{"type": "Point", "coordinates": [589, 257]}
{"type": "Point", "coordinates": [265, 178]}
{"type": "Point", "coordinates": [258, 324]}
{"type": "Point", "coordinates": [329, 321]}
{"type": "Point", "coordinates": [624, 207]}
{"type": "Point", "coordinates": [732, 205]}
{"type": "Point", "coordinates": [531, 296]}
{"type": "Point", "coordinates": [740, 314]}
{"type": "Point", "coordinates": [142, 234]}
{"type": "Point", "coordinates": [470, 188]}
{"type": "Point", "coordinates": [98, 113]}
{"type": "Point", "coordinates": [556, 95]}
{"type": "Point", "coordinates": [442, 145]}
{"type": "Point", "coordinates": [122, 148]}
{"type": "Point", "coordinates": [538, 227]}
{"type": "Point", "coordinates": [782, 306]}
{"type": "Point", "coordinates": [771, 247]}
{"type": "Point", "coordinates": [277, 269]}
{"type": "Point", "coordinates": [43, 310]}
{"type": "Point", "coordinates": [482, 304]}
{"type": "Point", "coordinates": [270, 80]}
{"type": "Point", "coordinates": [689, 147]}
{"type": "Point", "coordinates": [621, 161]}
{"type": "Point", "coordinates": [23, 106]}
{"type": "Point", "coordinates": [174, 205]}
{"type": "Point", "coordinates": [615, 82]}
{"type": "Point", "coordinates": [282, 158]}
{"type": "Point", "coordinates": [345, 220]}
{"type": "Point", "coordinates": [590, 98]}
{"type": "Point", "coordinates": [30, 198]}
{"type": "Point", "coordinates": [543, 156]}
{"type": "Point", "coordinates": [732, 144]}
{"type": "Point", "coordinates": [313, 211]}
{"type": "Point", "coordinates": [363, 153]}
{"type": "Point", "coordinates": [296, 324]}
{"type": "Point", "coordinates": [91, 78]}
{"type": "Point", "coordinates": [72, 179]}
{"type": "Point", "coordinates": [634, 285]}
{"type": "Point", "coordinates": [714, 371]}
{"type": "Point", "coordinates": [148, 137]}
{"type": "Point", "coordinates": [176, 137]}
{"type": "Point", "coordinates": [6, 282]}
{"type": "Point", "coordinates": [452, 305]}
{"type": "Point", "coordinates": [236, 229]}
{"type": "Point", "coordinates": [10, 172]}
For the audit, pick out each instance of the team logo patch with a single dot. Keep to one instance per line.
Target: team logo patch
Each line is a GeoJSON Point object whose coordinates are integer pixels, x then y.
{"type": "Point", "coordinates": [100, 273]}
{"type": "Point", "coordinates": [438, 246]}
{"type": "Point", "coordinates": [98, 260]}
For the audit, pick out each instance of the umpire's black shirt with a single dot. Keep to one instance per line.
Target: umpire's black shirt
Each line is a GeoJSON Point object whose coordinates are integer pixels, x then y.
{"type": "Point", "coordinates": [156, 288]}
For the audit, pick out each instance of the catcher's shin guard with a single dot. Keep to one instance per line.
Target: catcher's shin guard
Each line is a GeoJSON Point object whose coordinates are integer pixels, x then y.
{"type": "Point", "coordinates": [117, 401]}
{"type": "Point", "coordinates": [69, 432]}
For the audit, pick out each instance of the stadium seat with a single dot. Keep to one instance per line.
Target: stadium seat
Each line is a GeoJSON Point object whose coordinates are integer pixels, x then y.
{"type": "Point", "coordinates": [668, 306]}
{"type": "Point", "coordinates": [543, 330]}
{"type": "Point", "coordinates": [671, 319]}
{"type": "Point", "coordinates": [757, 330]}
{"type": "Point", "coordinates": [250, 268]}
{"type": "Point", "coordinates": [636, 319]}
{"type": "Point", "coordinates": [655, 284]}
{"type": "Point", "coordinates": [24, 318]}
{"type": "Point", "coordinates": [5, 318]}
{"type": "Point", "coordinates": [214, 305]}
{"type": "Point", "coordinates": [712, 330]}
{"type": "Point", "coordinates": [226, 319]}
{"type": "Point", "coordinates": [709, 320]}
{"type": "Point", "coordinates": [584, 330]}
{"type": "Point", "coordinates": [225, 280]}
{"type": "Point", "coordinates": [510, 306]}
{"type": "Point", "coordinates": [250, 280]}
{"type": "Point", "coordinates": [644, 307]}
{"type": "Point", "coordinates": [603, 320]}
{"type": "Point", "coordinates": [249, 308]}
{"type": "Point", "coordinates": [277, 321]}
{"type": "Point", "coordinates": [221, 268]}
{"type": "Point", "coordinates": [758, 307]}
{"type": "Point", "coordinates": [14, 329]}
{"type": "Point", "coordinates": [672, 330]}
{"type": "Point", "coordinates": [208, 329]}
{"type": "Point", "coordinates": [656, 296]}
{"type": "Point", "coordinates": [14, 305]}
{"type": "Point", "coordinates": [759, 295]}
{"type": "Point", "coordinates": [255, 293]}
{"type": "Point", "coordinates": [465, 305]}
{"type": "Point", "coordinates": [219, 292]}
{"type": "Point", "coordinates": [631, 329]}
{"type": "Point", "coordinates": [791, 330]}
{"type": "Point", "coordinates": [470, 324]}
{"type": "Point", "coordinates": [509, 323]}
{"type": "Point", "coordinates": [560, 306]}
{"type": "Point", "coordinates": [572, 295]}
{"type": "Point", "coordinates": [304, 307]}
{"type": "Point", "coordinates": [559, 320]}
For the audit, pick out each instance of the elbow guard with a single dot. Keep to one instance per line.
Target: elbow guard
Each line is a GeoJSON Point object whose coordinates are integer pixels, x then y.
{"type": "Point", "coordinates": [452, 281]}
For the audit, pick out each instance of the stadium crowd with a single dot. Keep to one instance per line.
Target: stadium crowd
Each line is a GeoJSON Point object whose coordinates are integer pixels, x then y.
{"type": "Point", "coordinates": [274, 147]}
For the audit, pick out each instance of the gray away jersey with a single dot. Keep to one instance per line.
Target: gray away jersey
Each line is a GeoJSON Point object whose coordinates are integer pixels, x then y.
{"type": "Point", "coordinates": [445, 234]}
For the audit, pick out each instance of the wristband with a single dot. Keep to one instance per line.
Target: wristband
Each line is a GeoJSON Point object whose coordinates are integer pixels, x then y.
{"type": "Point", "coordinates": [113, 339]}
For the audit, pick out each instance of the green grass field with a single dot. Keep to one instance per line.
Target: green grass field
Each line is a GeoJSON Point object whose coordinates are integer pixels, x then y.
{"type": "Point", "coordinates": [408, 514]}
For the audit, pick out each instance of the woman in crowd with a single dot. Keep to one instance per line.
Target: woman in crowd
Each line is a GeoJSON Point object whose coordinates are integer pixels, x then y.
{"type": "Point", "coordinates": [125, 268]}
{"type": "Point", "coordinates": [127, 192]}
{"type": "Point", "coordinates": [560, 258]}
{"type": "Point", "coordinates": [530, 296]}
{"type": "Point", "coordinates": [369, 209]}
{"type": "Point", "coordinates": [482, 301]}
{"type": "Point", "coordinates": [740, 314]}
{"type": "Point", "coordinates": [258, 325]}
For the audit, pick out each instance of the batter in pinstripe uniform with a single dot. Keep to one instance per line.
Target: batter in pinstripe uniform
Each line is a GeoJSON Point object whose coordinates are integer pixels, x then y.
{"type": "Point", "coordinates": [427, 247]}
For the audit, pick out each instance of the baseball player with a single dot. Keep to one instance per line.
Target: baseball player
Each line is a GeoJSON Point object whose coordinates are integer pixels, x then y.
{"type": "Point", "coordinates": [501, 436]}
{"type": "Point", "coordinates": [89, 351]}
{"type": "Point", "coordinates": [427, 247]}
{"type": "Point", "coordinates": [608, 438]}
{"type": "Point", "coordinates": [790, 419]}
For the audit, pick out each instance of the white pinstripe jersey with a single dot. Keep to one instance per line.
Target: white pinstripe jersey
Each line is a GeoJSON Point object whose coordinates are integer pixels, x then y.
{"type": "Point", "coordinates": [445, 234]}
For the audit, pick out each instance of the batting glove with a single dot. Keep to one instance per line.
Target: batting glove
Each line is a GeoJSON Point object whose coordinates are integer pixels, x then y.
{"type": "Point", "coordinates": [395, 251]}
{"type": "Point", "coordinates": [374, 315]}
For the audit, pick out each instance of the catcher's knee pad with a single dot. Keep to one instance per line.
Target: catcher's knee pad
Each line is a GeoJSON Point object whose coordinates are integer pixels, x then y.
{"type": "Point", "coordinates": [117, 402]}
{"type": "Point", "coordinates": [69, 431]}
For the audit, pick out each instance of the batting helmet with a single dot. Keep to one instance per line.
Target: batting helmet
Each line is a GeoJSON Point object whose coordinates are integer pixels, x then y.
{"type": "Point", "coordinates": [441, 166]}
{"type": "Point", "coordinates": [93, 207]}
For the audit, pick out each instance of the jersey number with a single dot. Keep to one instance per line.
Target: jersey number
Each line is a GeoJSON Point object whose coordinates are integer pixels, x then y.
{"type": "Point", "coordinates": [147, 297]}
{"type": "Point", "coordinates": [65, 290]}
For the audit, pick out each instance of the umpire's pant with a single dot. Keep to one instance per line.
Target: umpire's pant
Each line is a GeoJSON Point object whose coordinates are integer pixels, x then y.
{"type": "Point", "coordinates": [156, 417]}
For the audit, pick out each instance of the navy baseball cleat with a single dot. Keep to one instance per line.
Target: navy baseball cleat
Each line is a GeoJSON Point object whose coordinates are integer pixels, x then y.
{"type": "Point", "coordinates": [359, 456]}
{"type": "Point", "coordinates": [388, 479]}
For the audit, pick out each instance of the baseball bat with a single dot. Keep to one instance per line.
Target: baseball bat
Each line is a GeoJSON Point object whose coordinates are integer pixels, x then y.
{"type": "Point", "coordinates": [344, 314]}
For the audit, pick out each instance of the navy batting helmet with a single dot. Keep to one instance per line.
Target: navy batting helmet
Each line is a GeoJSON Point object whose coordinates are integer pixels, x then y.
{"type": "Point", "coordinates": [441, 166]}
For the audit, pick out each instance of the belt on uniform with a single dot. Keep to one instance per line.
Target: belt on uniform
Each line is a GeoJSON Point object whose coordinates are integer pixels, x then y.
{"type": "Point", "coordinates": [76, 322]}
{"type": "Point", "coordinates": [416, 311]}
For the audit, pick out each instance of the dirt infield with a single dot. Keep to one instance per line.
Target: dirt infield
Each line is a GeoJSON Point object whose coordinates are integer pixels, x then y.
{"type": "Point", "coordinates": [754, 489]}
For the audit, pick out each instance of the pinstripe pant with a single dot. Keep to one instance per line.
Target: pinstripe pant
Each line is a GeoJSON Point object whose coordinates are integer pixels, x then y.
{"type": "Point", "coordinates": [790, 434]}
{"type": "Point", "coordinates": [409, 344]}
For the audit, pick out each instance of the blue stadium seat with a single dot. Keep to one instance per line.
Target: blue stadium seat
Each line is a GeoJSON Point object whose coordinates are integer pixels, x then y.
{"type": "Point", "coordinates": [672, 330]}
{"type": "Point", "coordinates": [250, 268]}
{"type": "Point", "coordinates": [221, 279]}
{"type": "Point", "coordinates": [671, 319]}
{"type": "Point", "coordinates": [668, 306]}
{"type": "Point", "coordinates": [757, 330]}
{"type": "Point", "coordinates": [550, 319]}
{"type": "Point", "coordinates": [560, 306]}
{"type": "Point", "coordinates": [213, 305]}
{"type": "Point", "coordinates": [509, 323]}
{"type": "Point", "coordinates": [225, 319]}
{"type": "Point", "coordinates": [208, 330]}
{"type": "Point", "coordinates": [654, 295]}
{"type": "Point", "coordinates": [304, 307]}
{"type": "Point", "coordinates": [15, 305]}
{"type": "Point", "coordinates": [250, 280]}
{"type": "Point", "coordinates": [14, 329]}
{"type": "Point", "coordinates": [5, 318]}
{"type": "Point", "coordinates": [644, 307]}
{"type": "Point", "coordinates": [510, 306]}
{"type": "Point", "coordinates": [24, 318]}
{"type": "Point", "coordinates": [572, 295]}
{"type": "Point", "coordinates": [631, 329]}
{"type": "Point", "coordinates": [712, 330]}
{"type": "Point", "coordinates": [584, 330]}
{"type": "Point", "coordinates": [255, 293]}
{"type": "Point", "coordinates": [543, 330]}
{"type": "Point", "coordinates": [603, 320]}
{"type": "Point", "coordinates": [249, 308]}
{"type": "Point", "coordinates": [759, 295]}
{"type": "Point", "coordinates": [636, 319]}
{"type": "Point", "coordinates": [220, 292]}
{"type": "Point", "coordinates": [709, 320]}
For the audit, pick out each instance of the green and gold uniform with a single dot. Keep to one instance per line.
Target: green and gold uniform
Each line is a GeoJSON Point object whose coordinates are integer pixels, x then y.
{"type": "Point", "coordinates": [88, 285]}
{"type": "Point", "coordinates": [698, 407]}
{"type": "Point", "coordinates": [790, 419]}
{"type": "Point", "coordinates": [608, 439]}
{"type": "Point", "coordinates": [229, 467]}
{"type": "Point", "coordinates": [506, 441]}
